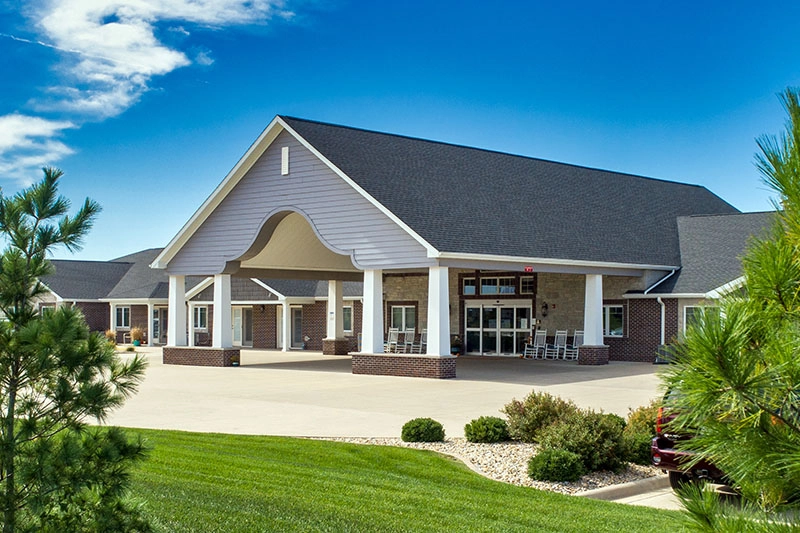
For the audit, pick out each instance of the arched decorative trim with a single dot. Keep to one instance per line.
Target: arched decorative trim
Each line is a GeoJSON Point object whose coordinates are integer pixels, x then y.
{"type": "Point", "coordinates": [267, 228]}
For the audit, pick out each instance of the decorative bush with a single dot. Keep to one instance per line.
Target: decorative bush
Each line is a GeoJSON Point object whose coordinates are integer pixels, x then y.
{"type": "Point", "coordinates": [556, 465]}
{"type": "Point", "coordinates": [111, 335]}
{"type": "Point", "coordinates": [596, 437]}
{"type": "Point", "coordinates": [639, 432]}
{"type": "Point", "coordinates": [539, 409]}
{"type": "Point", "coordinates": [422, 430]}
{"type": "Point", "coordinates": [643, 419]}
{"type": "Point", "coordinates": [137, 333]}
{"type": "Point", "coordinates": [486, 429]}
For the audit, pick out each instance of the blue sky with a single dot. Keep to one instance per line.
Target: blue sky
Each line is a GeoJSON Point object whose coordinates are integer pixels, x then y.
{"type": "Point", "coordinates": [146, 105]}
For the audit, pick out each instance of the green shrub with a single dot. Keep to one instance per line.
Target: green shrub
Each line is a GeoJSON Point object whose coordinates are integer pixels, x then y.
{"type": "Point", "coordinates": [637, 447]}
{"type": "Point", "coordinates": [639, 432]}
{"type": "Point", "coordinates": [486, 429]}
{"type": "Point", "coordinates": [422, 430]}
{"type": "Point", "coordinates": [643, 419]}
{"type": "Point", "coordinates": [596, 437]}
{"type": "Point", "coordinates": [556, 465]}
{"type": "Point", "coordinates": [539, 409]}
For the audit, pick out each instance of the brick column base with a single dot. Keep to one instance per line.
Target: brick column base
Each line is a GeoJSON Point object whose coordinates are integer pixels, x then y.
{"type": "Point", "coordinates": [200, 356]}
{"type": "Point", "coordinates": [405, 365]}
{"type": "Point", "coordinates": [336, 346]}
{"type": "Point", "coordinates": [593, 355]}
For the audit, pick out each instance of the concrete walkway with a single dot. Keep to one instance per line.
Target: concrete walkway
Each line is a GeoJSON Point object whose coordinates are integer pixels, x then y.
{"type": "Point", "coordinates": [308, 394]}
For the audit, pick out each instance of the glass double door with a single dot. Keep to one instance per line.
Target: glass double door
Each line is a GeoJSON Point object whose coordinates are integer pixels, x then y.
{"type": "Point", "coordinates": [493, 329]}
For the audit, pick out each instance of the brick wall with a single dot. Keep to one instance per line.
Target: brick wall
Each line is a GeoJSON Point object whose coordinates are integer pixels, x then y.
{"type": "Point", "coordinates": [643, 330]}
{"type": "Point", "coordinates": [265, 329]}
{"type": "Point", "coordinates": [315, 324]}
{"type": "Point", "coordinates": [139, 319]}
{"type": "Point", "coordinates": [194, 356]}
{"type": "Point", "coordinates": [405, 366]}
{"type": "Point", "coordinates": [97, 315]}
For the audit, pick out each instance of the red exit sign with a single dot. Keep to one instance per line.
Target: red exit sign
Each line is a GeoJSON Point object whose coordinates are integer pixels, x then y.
{"type": "Point", "coordinates": [528, 269]}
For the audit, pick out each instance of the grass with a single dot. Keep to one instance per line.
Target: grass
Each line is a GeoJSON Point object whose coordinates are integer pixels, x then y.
{"type": "Point", "coordinates": [234, 483]}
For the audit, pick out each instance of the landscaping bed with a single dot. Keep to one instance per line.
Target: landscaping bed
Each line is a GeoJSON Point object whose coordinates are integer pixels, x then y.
{"type": "Point", "coordinates": [508, 462]}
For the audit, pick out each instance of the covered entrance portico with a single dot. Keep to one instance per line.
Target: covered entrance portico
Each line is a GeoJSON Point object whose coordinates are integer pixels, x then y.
{"type": "Point", "coordinates": [286, 212]}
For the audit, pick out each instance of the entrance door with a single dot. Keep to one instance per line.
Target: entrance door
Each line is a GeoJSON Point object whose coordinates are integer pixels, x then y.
{"type": "Point", "coordinates": [159, 335]}
{"type": "Point", "coordinates": [242, 323]}
{"type": "Point", "coordinates": [279, 329]}
{"type": "Point", "coordinates": [297, 327]}
{"type": "Point", "coordinates": [497, 329]}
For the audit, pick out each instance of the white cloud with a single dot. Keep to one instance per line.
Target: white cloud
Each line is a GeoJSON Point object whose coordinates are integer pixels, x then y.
{"type": "Point", "coordinates": [204, 58]}
{"type": "Point", "coordinates": [113, 46]}
{"type": "Point", "coordinates": [110, 53]}
{"type": "Point", "coordinates": [28, 143]}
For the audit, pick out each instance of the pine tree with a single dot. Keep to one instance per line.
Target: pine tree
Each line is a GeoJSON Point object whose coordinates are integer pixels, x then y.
{"type": "Point", "coordinates": [57, 472]}
{"type": "Point", "coordinates": [737, 372]}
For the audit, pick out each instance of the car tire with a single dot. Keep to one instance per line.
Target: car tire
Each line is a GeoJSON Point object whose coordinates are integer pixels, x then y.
{"type": "Point", "coordinates": [678, 479]}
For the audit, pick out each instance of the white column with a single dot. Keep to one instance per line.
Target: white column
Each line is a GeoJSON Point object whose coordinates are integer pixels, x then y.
{"type": "Point", "coordinates": [113, 320]}
{"type": "Point", "coordinates": [335, 313]}
{"type": "Point", "coordinates": [176, 331]}
{"type": "Point", "coordinates": [372, 322]}
{"type": "Point", "coordinates": [150, 341]}
{"type": "Point", "coordinates": [287, 327]}
{"type": "Point", "coordinates": [191, 324]}
{"type": "Point", "coordinates": [223, 324]}
{"type": "Point", "coordinates": [438, 311]}
{"type": "Point", "coordinates": [593, 311]}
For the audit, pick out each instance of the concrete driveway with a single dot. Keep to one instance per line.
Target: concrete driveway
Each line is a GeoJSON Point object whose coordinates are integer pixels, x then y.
{"type": "Point", "coordinates": [308, 394]}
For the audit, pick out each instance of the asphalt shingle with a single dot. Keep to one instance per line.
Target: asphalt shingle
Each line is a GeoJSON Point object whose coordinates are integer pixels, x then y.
{"type": "Point", "coordinates": [469, 200]}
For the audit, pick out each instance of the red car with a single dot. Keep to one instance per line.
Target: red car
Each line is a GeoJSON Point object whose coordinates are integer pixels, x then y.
{"type": "Point", "coordinates": [673, 462]}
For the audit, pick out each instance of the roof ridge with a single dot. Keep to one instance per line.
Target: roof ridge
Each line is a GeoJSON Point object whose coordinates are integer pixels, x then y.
{"type": "Point", "coordinates": [709, 215]}
{"type": "Point", "coordinates": [488, 150]}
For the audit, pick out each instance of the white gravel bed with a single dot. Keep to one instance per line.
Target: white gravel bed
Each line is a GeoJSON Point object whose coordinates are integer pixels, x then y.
{"type": "Point", "coordinates": [508, 462]}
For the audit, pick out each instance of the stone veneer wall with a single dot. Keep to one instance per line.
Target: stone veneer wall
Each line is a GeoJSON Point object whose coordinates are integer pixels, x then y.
{"type": "Point", "coordinates": [414, 366]}
{"type": "Point", "coordinates": [564, 295]}
{"type": "Point", "coordinates": [200, 356]}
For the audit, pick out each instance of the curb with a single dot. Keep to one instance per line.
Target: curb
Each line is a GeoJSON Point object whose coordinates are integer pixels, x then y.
{"type": "Point", "coordinates": [616, 492]}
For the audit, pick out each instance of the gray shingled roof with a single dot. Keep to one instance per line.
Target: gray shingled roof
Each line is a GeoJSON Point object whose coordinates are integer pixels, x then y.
{"type": "Point", "coordinates": [711, 250]}
{"type": "Point", "coordinates": [141, 281]}
{"type": "Point", "coordinates": [468, 200]}
{"type": "Point", "coordinates": [84, 280]}
{"type": "Point", "coordinates": [301, 288]}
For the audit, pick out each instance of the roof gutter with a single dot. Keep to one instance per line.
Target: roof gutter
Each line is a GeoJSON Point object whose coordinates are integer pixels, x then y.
{"type": "Point", "coordinates": [656, 284]}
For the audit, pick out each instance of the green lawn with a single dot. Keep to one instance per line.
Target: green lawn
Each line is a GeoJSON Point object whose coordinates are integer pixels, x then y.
{"type": "Point", "coordinates": [230, 483]}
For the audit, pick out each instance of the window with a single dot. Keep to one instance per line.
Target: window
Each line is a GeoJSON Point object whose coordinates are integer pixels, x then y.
{"type": "Point", "coordinates": [526, 285]}
{"type": "Point", "coordinates": [612, 320]}
{"type": "Point", "coordinates": [201, 317]}
{"type": "Point", "coordinates": [46, 308]}
{"type": "Point", "coordinates": [692, 313]}
{"type": "Point", "coordinates": [498, 286]}
{"type": "Point", "coordinates": [123, 318]}
{"type": "Point", "coordinates": [347, 318]}
{"type": "Point", "coordinates": [404, 317]}
{"type": "Point", "coordinates": [469, 286]}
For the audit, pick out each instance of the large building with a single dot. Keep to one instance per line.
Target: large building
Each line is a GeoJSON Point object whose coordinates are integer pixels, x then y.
{"type": "Point", "coordinates": [456, 241]}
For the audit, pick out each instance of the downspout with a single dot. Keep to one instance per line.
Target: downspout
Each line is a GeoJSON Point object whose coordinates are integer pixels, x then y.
{"type": "Point", "coordinates": [662, 304]}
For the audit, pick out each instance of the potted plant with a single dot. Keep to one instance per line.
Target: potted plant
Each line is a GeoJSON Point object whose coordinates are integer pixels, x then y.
{"type": "Point", "coordinates": [137, 335]}
{"type": "Point", "coordinates": [456, 345]}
